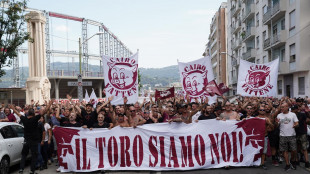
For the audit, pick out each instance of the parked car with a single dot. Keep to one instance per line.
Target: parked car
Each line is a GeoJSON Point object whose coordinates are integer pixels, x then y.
{"type": "Point", "coordinates": [11, 145]}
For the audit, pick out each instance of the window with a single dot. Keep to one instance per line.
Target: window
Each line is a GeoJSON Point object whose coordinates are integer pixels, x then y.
{"type": "Point", "coordinates": [282, 57]}
{"type": "Point", "coordinates": [257, 1]}
{"type": "Point", "coordinates": [280, 87]}
{"type": "Point", "coordinates": [18, 130]}
{"type": "Point", "coordinates": [301, 85]}
{"type": "Point", "coordinates": [283, 24]}
{"type": "Point", "coordinates": [265, 9]}
{"type": "Point", "coordinates": [257, 19]}
{"type": "Point", "coordinates": [7, 132]}
{"type": "Point", "coordinates": [257, 42]}
{"type": "Point", "coordinates": [264, 35]}
{"type": "Point", "coordinates": [292, 1]}
{"type": "Point", "coordinates": [292, 22]}
{"type": "Point", "coordinates": [292, 53]}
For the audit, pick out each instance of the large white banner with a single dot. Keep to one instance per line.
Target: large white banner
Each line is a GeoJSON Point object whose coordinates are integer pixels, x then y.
{"type": "Point", "coordinates": [121, 78]}
{"type": "Point", "coordinates": [194, 76]}
{"type": "Point", "coordinates": [162, 146]}
{"type": "Point", "coordinates": [258, 79]}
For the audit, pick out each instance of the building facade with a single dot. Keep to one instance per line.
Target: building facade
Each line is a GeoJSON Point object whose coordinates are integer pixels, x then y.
{"type": "Point", "coordinates": [217, 44]}
{"type": "Point", "coordinates": [261, 31]}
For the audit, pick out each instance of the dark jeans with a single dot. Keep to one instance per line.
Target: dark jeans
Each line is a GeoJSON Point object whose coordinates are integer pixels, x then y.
{"type": "Point", "coordinates": [33, 147]}
{"type": "Point", "coordinates": [44, 152]}
{"type": "Point", "coordinates": [40, 161]}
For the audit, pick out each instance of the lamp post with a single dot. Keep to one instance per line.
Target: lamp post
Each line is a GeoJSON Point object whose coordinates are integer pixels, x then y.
{"type": "Point", "coordinates": [80, 48]}
{"type": "Point", "coordinates": [80, 87]}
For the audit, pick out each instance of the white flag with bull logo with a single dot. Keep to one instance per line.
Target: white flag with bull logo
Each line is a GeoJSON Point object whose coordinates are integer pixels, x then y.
{"type": "Point", "coordinates": [258, 79]}
{"type": "Point", "coordinates": [121, 78]}
{"type": "Point", "coordinates": [195, 75]}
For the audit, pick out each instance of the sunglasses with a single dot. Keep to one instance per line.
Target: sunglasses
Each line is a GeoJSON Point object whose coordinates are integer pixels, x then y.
{"type": "Point", "coordinates": [262, 110]}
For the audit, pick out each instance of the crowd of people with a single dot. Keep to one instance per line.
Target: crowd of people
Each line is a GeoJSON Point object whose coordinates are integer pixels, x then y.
{"type": "Point", "coordinates": [286, 122]}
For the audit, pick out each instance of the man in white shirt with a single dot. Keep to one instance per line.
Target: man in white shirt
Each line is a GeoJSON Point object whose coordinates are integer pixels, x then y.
{"type": "Point", "coordinates": [287, 121]}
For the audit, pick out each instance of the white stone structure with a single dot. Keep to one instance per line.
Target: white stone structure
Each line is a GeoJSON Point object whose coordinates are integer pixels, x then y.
{"type": "Point", "coordinates": [38, 85]}
{"type": "Point", "coordinates": [263, 30]}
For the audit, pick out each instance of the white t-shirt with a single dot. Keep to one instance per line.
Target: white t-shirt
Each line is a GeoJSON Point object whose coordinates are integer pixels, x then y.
{"type": "Point", "coordinates": [46, 127]}
{"type": "Point", "coordinates": [195, 117]}
{"type": "Point", "coordinates": [286, 123]}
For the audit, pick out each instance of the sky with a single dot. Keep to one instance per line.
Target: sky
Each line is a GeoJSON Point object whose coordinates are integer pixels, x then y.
{"type": "Point", "coordinates": [164, 31]}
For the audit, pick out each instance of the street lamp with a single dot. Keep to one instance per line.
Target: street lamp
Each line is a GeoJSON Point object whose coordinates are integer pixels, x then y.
{"type": "Point", "coordinates": [80, 87]}
{"type": "Point", "coordinates": [80, 48]}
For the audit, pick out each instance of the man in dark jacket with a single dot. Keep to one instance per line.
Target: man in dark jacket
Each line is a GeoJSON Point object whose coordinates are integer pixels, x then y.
{"type": "Point", "coordinates": [32, 137]}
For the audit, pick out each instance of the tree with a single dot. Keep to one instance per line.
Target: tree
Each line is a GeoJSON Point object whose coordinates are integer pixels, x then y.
{"type": "Point", "coordinates": [12, 30]}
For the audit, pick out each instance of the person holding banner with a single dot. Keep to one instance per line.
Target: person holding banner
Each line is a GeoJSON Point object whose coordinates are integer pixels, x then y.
{"type": "Point", "coordinates": [269, 127]}
{"type": "Point", "coordinates": [228, 114]}
{"type": "Point", "coordinates": [101, 123]}
{"type": "Point", "coordinates": [135, 119]}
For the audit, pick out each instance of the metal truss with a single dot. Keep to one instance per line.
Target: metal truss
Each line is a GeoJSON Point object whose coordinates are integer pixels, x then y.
{"type": "Point", "coordinates": [85, 45]}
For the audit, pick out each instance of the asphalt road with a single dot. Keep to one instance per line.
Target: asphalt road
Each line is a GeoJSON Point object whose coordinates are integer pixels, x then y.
{"type": "Point", "coordinates": [242, 170]}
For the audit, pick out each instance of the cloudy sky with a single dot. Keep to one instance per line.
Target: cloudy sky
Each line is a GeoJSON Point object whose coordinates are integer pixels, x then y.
{"type": "Point", "coordinates": [164, 31]}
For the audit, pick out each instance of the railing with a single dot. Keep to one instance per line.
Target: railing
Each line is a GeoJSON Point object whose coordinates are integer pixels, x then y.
{"type": "Point", "coordinates": [63, 73]}
{"type": "Point", "coordinates": [266, 43]}
{"type": "Point", "coordinates": [249, 32]}
{"type": "Point", "coordinates": [248, 10]}
{"type": "Point", "coordinates": [248, 54]}
{"type": "Point", "coordinates": [233, 10]}
{"type": "Point", "coordinates": [267, 15]}
{"type": "Point", "coordinates": [275, 8]}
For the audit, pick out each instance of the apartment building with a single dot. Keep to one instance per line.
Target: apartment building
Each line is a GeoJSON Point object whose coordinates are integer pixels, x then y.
{"type": "Point", "coordinates": [261, 31]}
{"type": "Point", "coordinates": [217, 44]}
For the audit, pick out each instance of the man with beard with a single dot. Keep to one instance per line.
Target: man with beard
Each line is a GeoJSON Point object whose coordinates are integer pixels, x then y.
{"type": "Point", "coordinates": [72, 121]}
{"type": "Point", "coordinates": [148, 119]}
{"type": "Point", "coordinates": [135, 119]}
{"type": "Point", "coordinates": [121, 121]}
{"type": "Point", "coordinates": [228, 114]}
{"type": "Point", "coordinates": [249, 112]}
{"type": "Point", "coordinates": [269, 127]}
{"type": "Point", "coordinates": [207, 114]}
{"type": "Point", "coordinates": [64, 118]}
{"type": "Point", "coordinates": [101, 123]}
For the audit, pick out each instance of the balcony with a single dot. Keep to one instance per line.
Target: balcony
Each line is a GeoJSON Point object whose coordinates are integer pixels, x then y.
{"type": "Point", "coordinates": [237, 27]}
{"type": "Point", "coordinates": [214, 54]}
{"type": "Point", "coordinates": [249, 34]}
{"type": "Point", "coordinates": [267, 44]}
{"type": "Point", "coordinates": [213, 43]}
{"type": "Point", "coordinates": [276, 41]}
{"type": "Point", "coordinates": [275, 12]}
{"type": "Point", "coordinates": [251, 53]}
{"type": "Point", "coordinates": [249, 12]}
{"type": "Point", "coordinates": [236, 10]}
{"type": "Point", "coordinates": [237, 44]}
{"type": "Point", "coordinates": [213, 31]}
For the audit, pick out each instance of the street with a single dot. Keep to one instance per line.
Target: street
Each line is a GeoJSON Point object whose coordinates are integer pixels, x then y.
{"type": "Point", "coordinates": [253, 170]}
